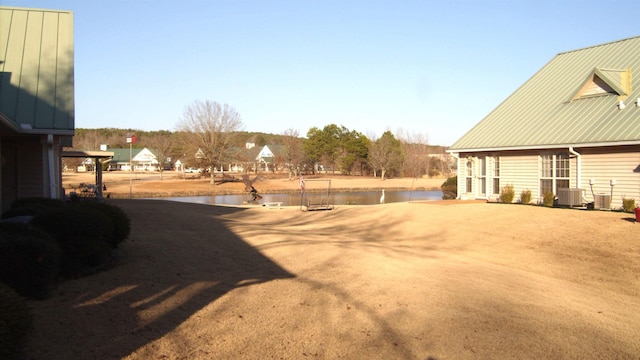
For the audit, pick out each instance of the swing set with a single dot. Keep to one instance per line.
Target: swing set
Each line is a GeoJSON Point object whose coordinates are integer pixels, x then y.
{"type": "Point", "coordinates": [320, 198]}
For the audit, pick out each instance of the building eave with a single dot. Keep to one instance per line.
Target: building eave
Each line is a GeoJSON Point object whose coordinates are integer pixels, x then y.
{"type": "Point", "coordinates": [542, 147]}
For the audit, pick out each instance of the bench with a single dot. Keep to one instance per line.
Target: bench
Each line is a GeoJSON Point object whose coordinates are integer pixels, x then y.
{"type": "Point", "coordinates": [271, 205]}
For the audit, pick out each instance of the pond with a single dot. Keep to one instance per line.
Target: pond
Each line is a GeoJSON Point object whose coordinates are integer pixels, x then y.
{"type": "Point", "coordinates": [338, 198]}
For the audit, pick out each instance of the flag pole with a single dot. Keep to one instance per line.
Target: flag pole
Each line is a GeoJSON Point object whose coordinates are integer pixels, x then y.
{"type": "Point", "coordinates": [131, 138]}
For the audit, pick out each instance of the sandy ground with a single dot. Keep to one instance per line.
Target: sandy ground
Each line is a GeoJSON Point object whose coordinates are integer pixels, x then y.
{"type": "Point", "coordinates": [438, 280]}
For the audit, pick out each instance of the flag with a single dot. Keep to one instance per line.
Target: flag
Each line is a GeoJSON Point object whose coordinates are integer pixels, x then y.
{"type": "Point", "coordinates": [301, 184]}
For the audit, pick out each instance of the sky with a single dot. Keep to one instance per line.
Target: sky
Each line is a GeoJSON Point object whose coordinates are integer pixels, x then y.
{"type": "Point", "coordinates": [426, 69]}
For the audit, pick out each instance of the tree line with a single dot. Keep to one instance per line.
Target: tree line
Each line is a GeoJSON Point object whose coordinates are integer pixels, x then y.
{"type": "Point", "coordinates": [210, 134]}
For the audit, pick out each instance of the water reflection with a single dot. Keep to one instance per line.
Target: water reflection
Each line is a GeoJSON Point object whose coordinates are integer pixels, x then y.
{"type": "Point", "coordinates": [338, 198]}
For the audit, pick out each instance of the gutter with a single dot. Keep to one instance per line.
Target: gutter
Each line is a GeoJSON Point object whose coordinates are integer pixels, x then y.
{"type": "Point", "coordinates": [543, 147]}
{"type": "Point", "coordinates": [578, 166]}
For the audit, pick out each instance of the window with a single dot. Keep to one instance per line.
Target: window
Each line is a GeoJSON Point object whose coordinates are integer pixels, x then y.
{"type": "Point", "coordinates": [469, 175]}
{"type": "Point", "coordinates": [562, 171]}
{"type": "Point", "coordinates": [482, 164]}
{"type": "Point", "coordinates": [496, 175]}
{"type": "Point", "coordinates": [554, 173]}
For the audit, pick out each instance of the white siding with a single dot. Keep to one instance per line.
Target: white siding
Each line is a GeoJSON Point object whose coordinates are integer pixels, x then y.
{"type": "Point", "coordinates": [522, 172]}
{"type": "Point", "coordinates": [624, 167]}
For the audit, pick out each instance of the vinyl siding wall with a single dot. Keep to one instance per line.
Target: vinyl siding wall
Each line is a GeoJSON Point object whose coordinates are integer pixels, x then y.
{"type": "Point", "coordinates": [603, 166]}
{"type": "Point", "coordinates": [522, 170]}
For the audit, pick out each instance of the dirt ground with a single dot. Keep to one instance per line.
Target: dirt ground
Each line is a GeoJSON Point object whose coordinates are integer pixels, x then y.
{"type": "Point", "coordinates": [434, 280]}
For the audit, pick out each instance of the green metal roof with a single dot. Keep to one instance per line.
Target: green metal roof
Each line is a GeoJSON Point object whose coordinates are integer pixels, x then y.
{"type": "Point", "coordinates": [36, 68]}
{"type": "Point", "coordinates": [547, 111]}
{"type": "Point", "coordinates": [123, 155]}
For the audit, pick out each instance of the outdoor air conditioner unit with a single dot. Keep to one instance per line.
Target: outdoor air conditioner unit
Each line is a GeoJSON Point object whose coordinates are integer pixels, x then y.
{"type": "Point", "coordinates": [570, 197]}
{"type": "Point", "coordinates": [602, 201]}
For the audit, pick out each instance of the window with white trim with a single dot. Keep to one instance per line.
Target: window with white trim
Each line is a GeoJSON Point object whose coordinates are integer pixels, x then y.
{"type": "Point", "coordinates": [555, 170]}
{"type": "Point", "coordinates": [496, 175]}
{"type": "Point", "coordinates": [469, 179]}
{"type": "Point", "coordinates": [482, 176]}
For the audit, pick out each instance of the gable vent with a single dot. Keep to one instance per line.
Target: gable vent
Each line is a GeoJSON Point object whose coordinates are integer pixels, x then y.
{"type": "Point", "coordinates": [603, 82]}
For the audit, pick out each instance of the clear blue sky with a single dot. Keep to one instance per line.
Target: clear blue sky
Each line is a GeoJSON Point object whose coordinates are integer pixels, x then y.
{"type": "Point", "coordinates": [433, 68]}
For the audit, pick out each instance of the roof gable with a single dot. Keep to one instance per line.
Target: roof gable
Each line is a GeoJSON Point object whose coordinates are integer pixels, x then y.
{"type": "Point", "coordinates": [605, 82]}
{"type": "Point", "coordinates": [544, 112]}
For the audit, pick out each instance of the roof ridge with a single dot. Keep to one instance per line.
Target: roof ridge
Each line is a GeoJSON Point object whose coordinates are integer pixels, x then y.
{"type": "Point", "coordinates": [603, 44]}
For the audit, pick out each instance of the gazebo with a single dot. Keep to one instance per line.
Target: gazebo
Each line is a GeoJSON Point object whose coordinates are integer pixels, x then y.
{"type": "Point", "coordinates": [97, 156]}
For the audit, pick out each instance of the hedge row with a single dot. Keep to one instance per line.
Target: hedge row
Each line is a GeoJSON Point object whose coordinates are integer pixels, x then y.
{"type": "Point", "coordinates": [59, 240]}
{"type": "Point", "coordinates": [42, 241]}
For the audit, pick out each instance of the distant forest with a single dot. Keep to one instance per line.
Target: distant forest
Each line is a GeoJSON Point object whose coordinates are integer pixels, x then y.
{"type": "Point", "coordinates": [91, 139]}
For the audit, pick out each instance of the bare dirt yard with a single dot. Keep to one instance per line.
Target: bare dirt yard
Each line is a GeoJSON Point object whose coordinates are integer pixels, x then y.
{"type": "Point", "coordinates": [436, 280]}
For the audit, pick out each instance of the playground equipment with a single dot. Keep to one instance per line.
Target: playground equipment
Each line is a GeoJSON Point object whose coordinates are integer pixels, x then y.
{"type": "Point", "coordinates": [316, 195]}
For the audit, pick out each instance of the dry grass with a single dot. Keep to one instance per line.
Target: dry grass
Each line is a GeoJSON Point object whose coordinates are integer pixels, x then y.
{"type": "Point", "coordinates": [394, 281]}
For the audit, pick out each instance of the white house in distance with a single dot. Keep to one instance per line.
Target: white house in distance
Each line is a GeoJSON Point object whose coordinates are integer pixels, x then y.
{"type": "Point", "coordinates": [266, 157]}
{"type": "Point", "coordinates": [573, 129]}
{"type": "Point", "coordinates": [141, 160]}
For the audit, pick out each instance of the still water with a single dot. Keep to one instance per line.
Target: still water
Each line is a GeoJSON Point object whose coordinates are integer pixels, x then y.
{"type": "Point", "coordinates": [338, 198]}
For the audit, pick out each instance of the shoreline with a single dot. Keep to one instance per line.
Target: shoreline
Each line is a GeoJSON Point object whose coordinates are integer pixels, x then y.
{"type": "Point", "coordinates": [149, 185]}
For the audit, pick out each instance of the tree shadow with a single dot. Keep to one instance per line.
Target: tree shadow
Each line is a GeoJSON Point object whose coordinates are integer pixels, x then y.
{"type": "Point", "coordinates": [179, 258]}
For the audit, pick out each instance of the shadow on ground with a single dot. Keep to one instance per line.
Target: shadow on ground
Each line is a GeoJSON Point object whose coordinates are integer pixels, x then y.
{"type": "Point", "coordinates": [201, 260]}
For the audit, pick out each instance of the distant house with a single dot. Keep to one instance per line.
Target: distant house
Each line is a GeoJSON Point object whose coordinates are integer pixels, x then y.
{"type": "Point", "coordinates": [572, 130]}
{"type": "Point", "coordinates": [36, 101]}
{"type": "Point", "coordinates": [141, 160]}
{"type": "Point", "coordinates": [268, 158]}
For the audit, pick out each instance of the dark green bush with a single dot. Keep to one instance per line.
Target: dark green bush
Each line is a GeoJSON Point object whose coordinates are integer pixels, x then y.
{"type": "Point", "coordinates": [32, 207]}
{"type": "Point", "coordinates": [16, 321]}
{"type": "Point", "coordinates": [548, 199]}
{"type": "Point", "coordinates": [83, 235]}
{"type": "Point", "coordinates": [29, 259]}
{"type": "Point", "coordinates": [120, 220]}
{"type": "Point", "coordinates": [450, 188]}
{"type": "Point", "coordinates": [525, 196]}
{"type": "Point", "coordinates": [507, 194]}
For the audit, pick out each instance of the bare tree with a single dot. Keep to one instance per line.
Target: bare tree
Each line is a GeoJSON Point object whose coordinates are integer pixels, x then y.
{"type": "Point", "coordinates": [293, 153]}
{"type": "Point", "coordinates": [415, 150]}
{"type": "Point", "coordinates": [162, 145]}
{"type": "Point", "coordinates": [210, 127]}
{"type": "Point", "coordinates": [385, 154]}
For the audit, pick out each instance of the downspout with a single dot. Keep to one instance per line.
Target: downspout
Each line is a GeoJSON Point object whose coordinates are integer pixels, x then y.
{"type": "Point", "coordinates": [52, 173]}
{"type": "Point", "coordinates": [578, 168]}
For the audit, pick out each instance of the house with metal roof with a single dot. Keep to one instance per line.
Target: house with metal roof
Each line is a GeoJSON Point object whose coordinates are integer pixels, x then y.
{"type": "Point", "coordinates": [571, 130]}
{"type": "Point", "coordinates": [36, 101]}
{"type": "Point", "coordinates": [140, 159]}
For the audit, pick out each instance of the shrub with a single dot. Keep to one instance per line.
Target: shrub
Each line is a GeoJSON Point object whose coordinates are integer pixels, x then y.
{"type": "Point", "coordinates": [507, 194]}
{"type": "Point", "coordinates": [548, 199]}
{"type": "Point", "coordinates": [628, 204]}
{"type": "Point", "coordinates": [16, 321]}
{"type": "Point", "coordinates": [29, 259]}
{"type": "Point", "coordinates": [83, 236]}
{"type": "Point", "coordinates": [32, 207]}
{"type": "Point", "coordinates": [119, 219]}
{"type": "Point", "coordinates": [450, 188]}
{"type": "Point", "coordinates": [525, 196]}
